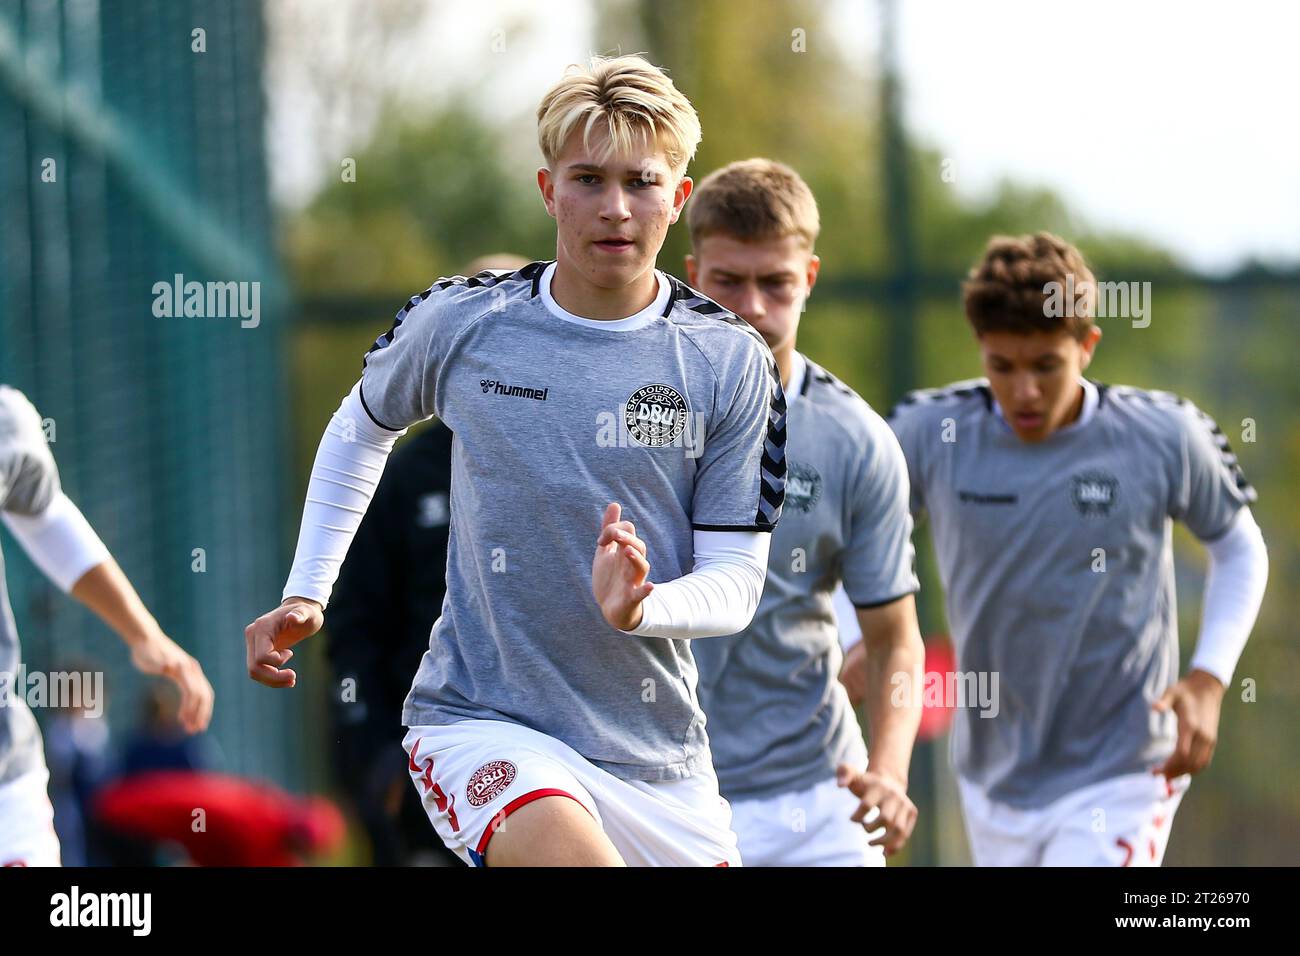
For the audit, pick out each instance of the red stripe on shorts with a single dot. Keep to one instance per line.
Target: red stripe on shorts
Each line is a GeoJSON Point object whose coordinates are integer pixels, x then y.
{"type": "Point", "coordinates": [1128, 851]}
{"type": "Point", "coordinates": [439, 798]}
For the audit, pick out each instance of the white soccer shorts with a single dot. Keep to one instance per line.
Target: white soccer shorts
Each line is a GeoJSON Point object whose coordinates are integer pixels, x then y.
{"type": "Point", "coordinates": [804, 828]}
{"type": "Point", "coordinates": [1124, 821]}
{"type": "Point", "coordinates": [471, 775]}
{"type": "Point", "coordinates": [27, 836]}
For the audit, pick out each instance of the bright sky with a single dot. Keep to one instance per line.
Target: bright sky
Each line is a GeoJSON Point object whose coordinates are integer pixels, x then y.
{"type": "Point", "coordinates": [1172, 120]}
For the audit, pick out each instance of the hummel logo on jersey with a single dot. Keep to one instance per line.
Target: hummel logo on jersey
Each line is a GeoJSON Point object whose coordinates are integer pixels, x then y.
{"type": "Point", "coordinates": [1094, 492]}
{"type": "Point", "coordinates": [977, 498]}
{"type": "Point", "coordinates": [513, 391]}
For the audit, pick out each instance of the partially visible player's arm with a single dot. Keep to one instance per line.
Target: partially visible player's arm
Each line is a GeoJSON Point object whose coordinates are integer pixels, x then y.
{"type": "Point", "coordinates": [1234, 590]}
{"type": "Point", "coordinates": [895, 653]}
{"type": "Point", "coordinates": [348, 465]}
{"type": "Point", "coordinates": [877, 566]}
{"type": "Point", "coordinates": [891, 651]}
{"type": "Point", "coordinates": [106, 590]}
{"type": "Point", "coordinates": [736, 502]}
{"type": "Point", "coordinates": [718, 596]}
{"type": "Point", "coordinates": [1211, 496]}
{"type": "Point", "coordinates": [846, 620]}
{"type": "Point", "coordinates": [59, 541]}
{"type": "Point", "coordinates": [56, 536]}
{"type": "Point", "coordinates": [65, 547]}
{"type": "Point", "coordinates": [396, 390]}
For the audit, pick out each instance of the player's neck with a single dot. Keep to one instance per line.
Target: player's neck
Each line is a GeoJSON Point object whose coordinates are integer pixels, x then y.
{"type": "Point", "coordinates": [574, 293]}
{"type": "Point", "coordinates": [784, 355]}
{"type": "Point", "coordinates": [1076, 409]}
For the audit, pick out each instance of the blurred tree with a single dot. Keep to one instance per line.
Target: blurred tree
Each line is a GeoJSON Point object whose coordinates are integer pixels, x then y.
{"type": "Point", "coordinates": [767, 79]}
{"type": "Point", "coordinates": [428, 197]}
{"type": "Point", "coordinates": [774, 81]}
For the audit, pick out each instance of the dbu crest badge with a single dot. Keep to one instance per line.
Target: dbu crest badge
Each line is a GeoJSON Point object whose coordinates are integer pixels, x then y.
{"type": "Point", "coordinates": [1094, 493]}
{"type": "Point", "coordinates": [655, 415]}
{"type": "Point", "coordinates": [803, 486]}
{"type": "Point", "coordinates": [488, 781]}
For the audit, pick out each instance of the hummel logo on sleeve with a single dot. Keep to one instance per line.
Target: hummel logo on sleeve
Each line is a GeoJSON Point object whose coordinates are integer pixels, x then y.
{"type": "Point", "coordinates": [513, 391]}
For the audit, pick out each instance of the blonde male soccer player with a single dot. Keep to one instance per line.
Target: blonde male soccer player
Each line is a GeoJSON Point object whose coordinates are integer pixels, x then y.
{"type": "Point", "coordinates": [58, 539]}
{"type": "Point", "coordinates": [1051, 500]}
{"type": "Point", "coordinates": [786, 744]}
{"type": "Point", "coordinates": [545, 727]}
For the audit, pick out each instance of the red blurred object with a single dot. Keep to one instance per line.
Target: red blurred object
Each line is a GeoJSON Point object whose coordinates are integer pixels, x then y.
{"type": "Point", "coordinates": [244, 823]}
{"type": "Point", "coordinates": [940, 661]}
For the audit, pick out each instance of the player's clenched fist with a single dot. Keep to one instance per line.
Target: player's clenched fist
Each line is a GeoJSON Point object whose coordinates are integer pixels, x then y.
{"type": "Point", "coordinates": [1197, 700]}
{"type": "Point", "coordinates": [897, 812]}
{"type": "Point", "coordinates": [619, 571]}
{"type": "Point", "coordinates": [271, 635]}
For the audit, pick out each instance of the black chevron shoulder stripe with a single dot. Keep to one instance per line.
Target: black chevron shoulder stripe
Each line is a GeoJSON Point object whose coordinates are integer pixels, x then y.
{"type": "Point", "coordinates": [772, 467]}
{"type": "Point", "coordinates": [1227, 457]}
{"type": "Point", "coordinates": [820, 376]}
{"type": "Point", "coordinates": [485, 279]}
{"type": "Point", "coordinates": [698, 302]}
{"type": "Point", "coordinates": [948, 393]}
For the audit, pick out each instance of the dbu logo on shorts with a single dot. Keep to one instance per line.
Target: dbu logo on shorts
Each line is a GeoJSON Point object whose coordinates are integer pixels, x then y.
{"type": "Point", "coordinates": [488, 781]}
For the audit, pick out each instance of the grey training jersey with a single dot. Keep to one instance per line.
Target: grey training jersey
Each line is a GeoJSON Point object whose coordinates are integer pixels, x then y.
{"type": "Point", "coordinates": [28, 483]}
{"type": "Point", "coordinates": [676, 414]}
{"type": "Point", "coordinates": [1058, 571]}
{"type": "Point", "coordinates": [779, 719]}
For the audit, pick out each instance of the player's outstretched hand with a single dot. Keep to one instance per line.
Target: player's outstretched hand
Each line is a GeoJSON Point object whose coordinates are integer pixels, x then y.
{"type": "Point", "coordinates": [897, 812]}
{"type": "Point", "coordinates": [1196, 700]}
{"type": "Point", "coordinates": [620, 571]}
{"type": "Point", "coordinates": [271, 635]}
{"type": "Point", "coordinates": [161, 656]}
{"type": "Point", "coordinates": [853, 673]}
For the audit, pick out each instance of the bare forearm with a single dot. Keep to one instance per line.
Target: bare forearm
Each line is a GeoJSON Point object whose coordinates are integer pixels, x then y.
{"type": "Point", "coordinates": [893, 728]}
{"type": "Point", "coordinates": [895, 664]}
{"type": "Point", "coordinates": [106, 591]}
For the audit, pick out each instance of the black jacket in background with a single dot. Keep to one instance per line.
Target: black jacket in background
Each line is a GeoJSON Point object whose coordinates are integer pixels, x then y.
{"type": "Point", "coordinates": [388, 595]}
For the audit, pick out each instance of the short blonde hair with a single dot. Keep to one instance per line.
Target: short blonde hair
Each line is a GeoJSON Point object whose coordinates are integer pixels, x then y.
{"type": "Point", "coordinates": [753, 200]}
{"type": "Point", "coordinates": [635, 101]}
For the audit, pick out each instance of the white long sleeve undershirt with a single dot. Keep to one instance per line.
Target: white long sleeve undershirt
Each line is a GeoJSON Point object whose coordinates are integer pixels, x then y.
{"type": "Point", "coordinates": [846, 618]}
{"type": "Point", "coordinates": [719, 596]}
{"type": "Point", "coordinates": [349, 463]}
{"type": "Point", "coordinates": [1234, 590]}
{"type": "Point", "coordinates": [59, 540]}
